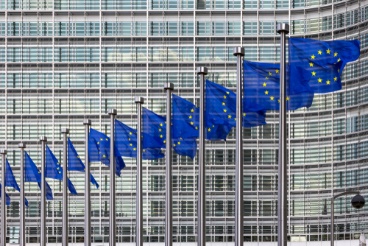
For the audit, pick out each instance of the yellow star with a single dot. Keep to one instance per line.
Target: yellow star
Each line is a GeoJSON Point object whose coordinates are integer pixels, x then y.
{"type": "Point", "coordinates": [277, 71]}
{"type": "Point", "coordinates": [190, 116]}
{"type": "Point", "coordinates": [269, 73]}
{"type": "Point", "coordinates": [328, 51]}
{"type": "Point", "coordinates": [130, 144]}
{"type": "Point", "coordinates": [271, 97]}
{"type": "Point", "coordinates": [266, 92]}
{"type": "Point", "coordinates": [223, 104]}
{"type": "Point", "coordinates": [328, 82]}
{"type": "Point", "coordinates": [311, 64]}
{"type": "Point", "coordinates": [335, 79]}
{"type": "Point", "coordinates": [178, 143]}
{"type": "Point", "coordinates": [338, 60]}
{"type": "Point", "coordinates": [314, 73]}
{"type": "Point", "coordinates": [208, 129]}
{"type": "Point", "coordinates": [161, 136]}
{"type": "Point", "coordinates": [227, 92]}
{"type": "Point", "coordinates": [224, 96]}
{"type": "Point", "coordinates": [130, 133]}
{"type": "Point", "coordinates": [225, 110]}
{"type": "Point", "coordinates": [320, 52]}
{"type": "Point", "coordinates": [319, 80]}
{"type": "Point", "coordinates": [134, 149]}
{"type": "Point", "coordinates": [335, 54]}
{"type": "Point", "coordinates": [192, 123]}
{"type": "Point", "coordinates": [266, 78]}
{"type": "Point", "coordinates": [192, 110]}
{"type": "Point", "coordinates": [278, 101]}
{"type": "Point", "coordinates": [287, 98]}
{"type": "Point", "coordinates": [160, 130]}
{"type": "Point", "coordinates": [312, 57]}
{"type": "Point", "coordinates": [229, 116]}
{"type": "Point", "coordinates": [244, 114]}
{"type": "Point", "coordinates": [264, 84]}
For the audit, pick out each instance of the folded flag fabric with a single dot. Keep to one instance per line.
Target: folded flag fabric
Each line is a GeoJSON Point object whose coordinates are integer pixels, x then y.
{"type": "Point", "coordinates": [99, 150]}
{"type": "Point", "coordinates": [31, 174]}
{"type": "Point", "coordinates": [262, 87]}
{"type": "Point", "coordinates": [323, 60]}
{"type": "Point", "coordinates": [75, 163]}
{"type": "Point", "coordinates": [126, 143]}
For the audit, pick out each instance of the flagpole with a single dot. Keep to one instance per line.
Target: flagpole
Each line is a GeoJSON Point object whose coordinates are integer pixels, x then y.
{"type": "Point", "coordinates": [65, 232]}
{"type": "Point", "coordinates": [22, 215]}
{"type": "Point", "coordinates": [112, 113]}
{"type": "Point", "coordinates": [282, 29]}
{"type": "Point", "coordinates": [139, 206]}
{"type": "Point", "coordinates": [239, 224]}
{"type": "Point", "coordinates": [202, 71]}
{"type": "Point", "coordinates": [3, 198]}
{"type": "Point", "coordinates": [87, 187]}
{"type": "Point", "coordinates": [169, 87]}
{"type": "Point", "coordinates": [43, 140]}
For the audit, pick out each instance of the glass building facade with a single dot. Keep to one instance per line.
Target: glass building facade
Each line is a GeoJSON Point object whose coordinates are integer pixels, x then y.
{"type": "Point", "coordinates": [63, 61]}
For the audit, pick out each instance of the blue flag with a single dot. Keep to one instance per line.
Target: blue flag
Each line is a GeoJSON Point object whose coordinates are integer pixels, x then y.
{"type": "Point", "coordinates": [157, 131]}
{"type": "Point", "coordinates": [75, 163]}
{"type": "Point", "coordinates": [31, 174]}
{"type": "Point", "coordinates": [7, 197]}
{"type": "Point", "coordinates": [10, 179]}
{"type": "Point", "coordinates": [262, 87]}
{"type": "Point", "coordinates": [99, 150]}
{"type": "Point", "coordinates": [221, 112]}
{"type": "Point", "coordinates": [185, 125]}
{"type": "Point", "coordinates": [55, 171]}
{"type": "Point", "coordinates": [126, 143]}
{"type": "Point", "coordinates": [323, 60]}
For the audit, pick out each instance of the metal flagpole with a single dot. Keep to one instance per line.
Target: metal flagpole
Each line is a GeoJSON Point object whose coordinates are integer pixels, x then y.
{"type": "Point", "coordinates": [169, 87]}
{"type": "Point", "coordinates": [112, 113]}
{"type": "Point", "coordinates": [22, 215]}
{"type": "Point", "coordinates": [43, 140]}
{"type": "Point", "coordinates": [3, 198]}
{"type": "Point", "coordinates": [65, 232]}
{"type": "Point", "coordinates": [239, 227]}
{"type": "Point", "coordinates": [282, 29]}
{"type": "Point", "coordinates": [202, 71]}
{"type": "Point", "coordinates": [139, 197]}
{"type": "Point", "coordinates": [87, 187]}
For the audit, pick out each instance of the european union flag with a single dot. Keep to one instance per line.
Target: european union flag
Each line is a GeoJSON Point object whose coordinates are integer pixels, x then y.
{"type": "Point", "coordinates": [7, 197]}
{"type": "Point", "coordinates": [75, 163]}
{"type": "Point", "coordinates": [324, 60]}
{"type": "Point", "coordinates": [55, 171]}
{"type": "Point", "coordinates": [126, 143]}
{"type": "Point", "coordinates": [31, 174]}
{"type": "Point", "coordinates": [262, 87]}
{"type": "Point", "coordinates": [154, 129]}
{"type": "Point", "coordinates": [99, 150]}
{"type": "Point", "coordinates": [185, 125]}
{"type": "Point", "coordinates": [221, 112]}
{"type": "Point", "coordinates": [10, 179]}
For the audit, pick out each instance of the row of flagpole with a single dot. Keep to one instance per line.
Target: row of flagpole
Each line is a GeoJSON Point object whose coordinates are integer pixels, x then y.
{"type": "Point", "coordinates": [201, 212]}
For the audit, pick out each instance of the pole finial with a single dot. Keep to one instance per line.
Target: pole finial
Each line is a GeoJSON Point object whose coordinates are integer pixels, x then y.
{"type": "Point", "coordinates": [43, 139]}
{"type": "Point", "coordinates": [87, 122]}
{"type": "Point", "coordinates": [168, 86]}
{"type": "Point", "coordinates": [65, 130]}
{"type": "Point", "coordinates": [238, 51]}
{"type": "Point", "coordinates": [139, 100]}
{"type": "Point", "coordinates": [3, 151]}
{"type": "Point", "coordinates": [112, 111]}
{"type": "Point", "coordinates": [282, 27]}
{"type": "Point", "coordinates": [202, 70]}
{"type": "Point", "coordinates": [21, 145]}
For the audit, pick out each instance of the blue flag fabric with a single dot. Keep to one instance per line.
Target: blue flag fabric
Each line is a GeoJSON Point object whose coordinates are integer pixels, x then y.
{"type": "Point", "coordinates": [55, 171]}
{"type": "Point", "coordinates": [126, 143]}
{"type": "Point", "coordinates": [262, 87]}
{"type": "Point", "coordinates": [185, 125]}
{"type": "Point", "coordinates": [10, 179]}
{"type": "Point", "coordinates": [157, 131]}
{"type": "Point", "coordinates": [7, 198]}
{"type": "Point", "coordinates": [31, 174]}
{"type": "Point", "coordinates": [75, 163]}
{"type": "Point", "coordinates": [99, 150]}
{"type": "Point", "coordinates": [324, 60]}
{"type": "Point", "coordinates": [154, 129]}
{"type": "Point", "coordinates": [221, 112]}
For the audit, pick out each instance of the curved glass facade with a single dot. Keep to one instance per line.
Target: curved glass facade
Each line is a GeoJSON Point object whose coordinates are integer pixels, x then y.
{"type": "Point", "coordinates": [66, 60]}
